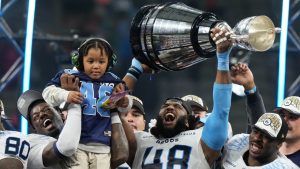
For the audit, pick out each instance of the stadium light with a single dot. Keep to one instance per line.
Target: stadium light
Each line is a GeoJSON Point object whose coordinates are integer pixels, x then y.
{"type": "Point", "coordinates": [27, 57]}
{"type": "Point", "coordinates": [282, 51]}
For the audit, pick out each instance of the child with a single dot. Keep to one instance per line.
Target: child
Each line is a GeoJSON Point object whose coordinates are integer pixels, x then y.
{"type": "Point", "coordinates": [93, 61]}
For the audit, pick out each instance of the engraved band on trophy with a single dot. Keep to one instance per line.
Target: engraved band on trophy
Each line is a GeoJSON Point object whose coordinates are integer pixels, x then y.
{"type": "Point", "coordinates": [174, 36]}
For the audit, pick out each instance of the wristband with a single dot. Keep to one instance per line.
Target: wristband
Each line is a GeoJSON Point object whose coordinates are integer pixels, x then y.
{"type": "Point", "coordinates": [137, 64]}
{"type": "Point", "coordinates": [251, 91]}
{"type": "Point", "coordinates": [134, 72]}
{"type": "Point", "coordinates": [223, 61]}
{"type": "Point", "coordinates": [115, 119]}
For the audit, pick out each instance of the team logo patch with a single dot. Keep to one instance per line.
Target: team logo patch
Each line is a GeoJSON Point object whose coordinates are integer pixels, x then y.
{"type": "Point", "coordinates": [270, 122]}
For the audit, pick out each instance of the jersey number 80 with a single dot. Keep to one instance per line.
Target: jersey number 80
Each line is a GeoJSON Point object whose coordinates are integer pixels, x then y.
{"type": "Point", "coordinates": [15, 147]}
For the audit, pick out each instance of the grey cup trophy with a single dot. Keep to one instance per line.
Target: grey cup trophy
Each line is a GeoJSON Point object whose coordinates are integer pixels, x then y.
{"type": "Point", "coordinates": [174, 36]}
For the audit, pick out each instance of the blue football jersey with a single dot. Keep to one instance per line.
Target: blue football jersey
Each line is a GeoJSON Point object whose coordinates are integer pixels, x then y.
{"type": "Point", "coordinates": [96, 123]}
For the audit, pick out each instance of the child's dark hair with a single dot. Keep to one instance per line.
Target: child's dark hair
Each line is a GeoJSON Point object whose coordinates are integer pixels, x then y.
{"type": "Point", "coordinates": [77, 58]}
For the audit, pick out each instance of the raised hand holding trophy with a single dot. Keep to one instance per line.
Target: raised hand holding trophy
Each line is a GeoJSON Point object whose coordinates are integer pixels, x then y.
{"type": "Point", "coordinates": [174, 36]}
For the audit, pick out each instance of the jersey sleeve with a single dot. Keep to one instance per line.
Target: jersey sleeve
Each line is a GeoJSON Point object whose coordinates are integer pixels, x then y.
{"type": "Point", "coordinates": [54, 95]}
{"type": "Point", "coordinates": [217, 122]}
{"type": "Point", "coordinates": [255, 108]}
{"type": "Point", "coordinates": [38, 143]}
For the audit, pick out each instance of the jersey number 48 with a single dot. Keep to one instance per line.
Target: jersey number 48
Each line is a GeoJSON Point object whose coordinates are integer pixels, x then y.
{"type": "Point", "coordinates": [178, 156]}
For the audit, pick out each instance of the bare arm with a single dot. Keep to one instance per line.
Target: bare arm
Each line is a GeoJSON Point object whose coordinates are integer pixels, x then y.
{"type": "Point", "coordinates": [119, 143]}
{"type": "Point", "coordinates": [131, 141]}
{"type": "Point", "coordinates": [11, 163]}
{"type": "Point", "coordinates": [242, 75]}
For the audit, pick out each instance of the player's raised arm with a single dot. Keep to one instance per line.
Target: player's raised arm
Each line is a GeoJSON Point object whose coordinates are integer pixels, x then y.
{"type": "Point", "coordinates": [132, 143]}
{"type": "Point", "coordinates": [217, 123]}
{"type": "Point", "coordinates": [242, 75]}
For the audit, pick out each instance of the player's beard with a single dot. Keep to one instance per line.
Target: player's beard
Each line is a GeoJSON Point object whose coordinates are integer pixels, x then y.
{"type": "Point", "coordinates": [159, 131]}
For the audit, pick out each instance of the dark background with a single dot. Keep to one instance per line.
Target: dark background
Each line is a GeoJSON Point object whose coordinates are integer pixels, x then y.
{"type": "Point", "coordinates": [57, 23]}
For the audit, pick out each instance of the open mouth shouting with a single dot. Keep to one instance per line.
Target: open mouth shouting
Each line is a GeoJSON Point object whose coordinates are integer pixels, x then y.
{"type": "Point", "coordinates": [47, 124]}
{"type": "Point", "coordinates": [169, 119]}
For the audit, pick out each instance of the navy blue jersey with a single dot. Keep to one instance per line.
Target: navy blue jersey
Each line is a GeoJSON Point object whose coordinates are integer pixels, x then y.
{"type": "Point", "coordinates": [96, 123]}
{"type": "Point", "coordinates": [295, 157]}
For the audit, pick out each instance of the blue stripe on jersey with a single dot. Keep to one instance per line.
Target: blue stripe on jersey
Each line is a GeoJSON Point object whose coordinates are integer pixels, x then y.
{"type": "Point", "coordinates": [56, 151]}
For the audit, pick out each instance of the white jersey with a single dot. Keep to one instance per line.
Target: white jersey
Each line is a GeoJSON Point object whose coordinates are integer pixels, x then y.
{"type": "Point", "coordinates": [38, 143]}
{"type": "Point", "coordinates": [181, 151]}
{"type": "Point", "coordinates": [238, 145]}
{"type": "Point", "coordinates": [14, 144]}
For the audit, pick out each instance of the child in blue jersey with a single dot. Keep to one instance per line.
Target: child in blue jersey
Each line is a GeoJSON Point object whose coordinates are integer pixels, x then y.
{"type": "Point", "coordinates": [93, 61]}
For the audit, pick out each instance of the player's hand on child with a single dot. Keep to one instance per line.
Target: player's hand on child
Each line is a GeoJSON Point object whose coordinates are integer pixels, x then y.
{"type": "Point", "coordinates": [69, 82]}
{"type": "Point", "coordinates": [75, 97]}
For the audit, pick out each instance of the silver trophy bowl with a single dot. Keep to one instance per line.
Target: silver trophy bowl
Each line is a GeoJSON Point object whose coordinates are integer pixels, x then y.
{"type": "Point", "coordinates": [174, 36]}
{"type": "Point", "coordinates": [256, 33]}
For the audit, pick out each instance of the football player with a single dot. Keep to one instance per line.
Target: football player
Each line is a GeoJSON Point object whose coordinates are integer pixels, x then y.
{"type": "Point", "coordinates": [53, 141]}
{"type": "Point", "coordinates": [170, 144]}
{"type": "Point", "coordinates": [14, 147]}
